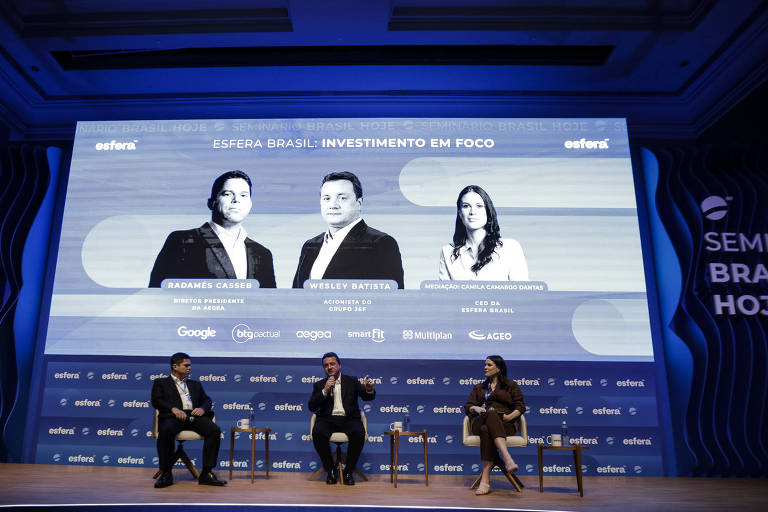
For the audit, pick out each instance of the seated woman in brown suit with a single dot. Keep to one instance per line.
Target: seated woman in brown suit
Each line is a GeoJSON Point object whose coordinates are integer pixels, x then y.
{"type": "Point", "coordinates": [493, 406]}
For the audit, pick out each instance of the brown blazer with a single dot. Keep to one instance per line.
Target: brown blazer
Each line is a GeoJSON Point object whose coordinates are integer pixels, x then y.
{"type": "Point", "coordinates": [504, 399]}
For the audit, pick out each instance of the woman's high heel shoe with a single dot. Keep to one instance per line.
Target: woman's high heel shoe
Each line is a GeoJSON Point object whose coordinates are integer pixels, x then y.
{"type": "Point", "coordinates": [511, 468]}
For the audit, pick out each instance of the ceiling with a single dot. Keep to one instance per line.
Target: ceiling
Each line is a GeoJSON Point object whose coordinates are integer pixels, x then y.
{"type": "Point", "coordinates": [671, 67]}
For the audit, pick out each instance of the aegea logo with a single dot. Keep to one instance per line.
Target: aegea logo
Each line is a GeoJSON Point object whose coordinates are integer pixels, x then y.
{"type": "Point", "coordinates": [113, 145]}
{"type": "Point", "coordinates": [583, 143]}
{"type": "Point", "coordinates": [203, 334]}
{"type": "Point", "coordinates": [314, 335]}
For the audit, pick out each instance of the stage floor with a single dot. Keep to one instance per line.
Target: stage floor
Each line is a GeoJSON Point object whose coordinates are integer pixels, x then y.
{"type": "Point", "coordinates": [37, 484]}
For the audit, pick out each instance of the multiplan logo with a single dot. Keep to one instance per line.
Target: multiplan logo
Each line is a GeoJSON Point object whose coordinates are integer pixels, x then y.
{"type": "Point", "coordinates": [114, 145]}
{"type": "Point", "coordinates": [583, 143]}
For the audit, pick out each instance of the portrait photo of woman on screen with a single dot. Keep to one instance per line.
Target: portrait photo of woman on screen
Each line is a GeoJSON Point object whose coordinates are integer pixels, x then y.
{"type": "Point", "coordinates": [478, 253]}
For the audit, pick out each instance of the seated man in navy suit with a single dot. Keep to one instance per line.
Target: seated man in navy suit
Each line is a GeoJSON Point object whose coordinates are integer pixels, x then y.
{"type": "Point", "coordinates": [334, 400]}
{"type": "Point", "coordinates": [218, 249]}
{"type": "Point", "coordinates": [349, 249]}
{"type": "Point", "coordinates": [183, 405]}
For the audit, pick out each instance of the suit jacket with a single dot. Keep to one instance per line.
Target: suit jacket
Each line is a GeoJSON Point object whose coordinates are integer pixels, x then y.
{"type": "Point", "coordinates": [365, 253]}
{"type": "Point", "coordinates": [351, 389]}
{"type": "Point", "coordinates": [165, 396]}
{"type": "Point", "coordinates": [199, 254]}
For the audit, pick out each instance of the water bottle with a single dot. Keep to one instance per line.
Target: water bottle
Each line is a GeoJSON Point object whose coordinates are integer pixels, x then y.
{"type": "Point", "coordinates": [407, 421]}
{"type": "Point", "coordinates": [564, 434]}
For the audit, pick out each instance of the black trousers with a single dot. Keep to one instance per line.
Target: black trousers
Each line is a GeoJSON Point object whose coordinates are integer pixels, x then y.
{"type": "Point", "coordinates": [321, 434]}
{"type": "Point", "coordinates": [489, 426]}
{"type": "Point", "coordinates": [167, 430]}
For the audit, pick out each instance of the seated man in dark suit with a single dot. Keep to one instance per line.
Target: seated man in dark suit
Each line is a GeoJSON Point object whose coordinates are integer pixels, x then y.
{"type": "Point", "coordinates": [183, 405]}
{"type": "Point", "coordinates": [218, 249]}
{"type": "Point", "coordinates": [334, 400]}
{"type": "Point", "coordinates": [350, 249]}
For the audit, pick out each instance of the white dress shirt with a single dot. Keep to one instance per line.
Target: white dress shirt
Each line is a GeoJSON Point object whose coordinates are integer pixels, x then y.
{"type": "Point", "coordinates": [330, 245]}
{"type": "Point", "coordinates": [181, 387]}
{"type": "Point", "coordinates": [507, 264]}
{"type": "Point", "coordinates": [338, 407]}
{"type": "Point", "coordinates": [234, 244]}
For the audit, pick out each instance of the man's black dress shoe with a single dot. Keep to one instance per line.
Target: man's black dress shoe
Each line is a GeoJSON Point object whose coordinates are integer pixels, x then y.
{"type": "Point", "coordinates": [333, 476]}
{"type": "Point", "coordinates": [348, 480]}
{"type": "Point", "coordinates": [166, 479]}
{"type": "Point", "coordinates": [208, 478]}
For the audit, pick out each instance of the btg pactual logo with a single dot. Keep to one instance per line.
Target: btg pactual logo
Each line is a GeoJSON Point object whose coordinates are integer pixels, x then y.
{"type": "Point", "coordinates": [715, 207]}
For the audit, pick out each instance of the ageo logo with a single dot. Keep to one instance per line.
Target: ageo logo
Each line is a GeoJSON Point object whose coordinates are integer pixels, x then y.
{"type": "Point", "coordinates": [583, 143]}
{"type": "Point", "coordinates": [393, 380]}
{"type": "Point", "coordinates": [715, 207]}
{"type": "Point", "coordinates": [490, 336]}
{"type": "Point", "coordinates": [420, 409]}
{"type": "Point", "coordinates": [63, 402]}
{"type": "Point", "coordinates": [113, 145]}
{"type": "Point", "coordinates": [203, 334]}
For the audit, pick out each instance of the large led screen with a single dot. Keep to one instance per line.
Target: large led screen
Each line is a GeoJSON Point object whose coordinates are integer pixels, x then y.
{"type": "Point", "coordinates": [564, 205]}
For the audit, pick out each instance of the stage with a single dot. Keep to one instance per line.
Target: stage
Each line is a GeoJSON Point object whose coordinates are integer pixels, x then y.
{"type": "Point", "coordinates": [39, 487]}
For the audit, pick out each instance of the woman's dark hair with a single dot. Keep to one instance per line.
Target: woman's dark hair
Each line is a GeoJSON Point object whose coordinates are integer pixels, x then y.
{"type": "Point", "coordinates": [492, 232]}
{"type": "Point", "coordinates": [502, 376]}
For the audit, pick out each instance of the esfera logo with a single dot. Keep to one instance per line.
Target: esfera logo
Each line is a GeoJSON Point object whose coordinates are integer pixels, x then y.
{"type": "Point", "coordinates": [66, 375]}
{"type": "Point", "coordinates": [213, 378]}
{"type": "Point", "coordinates": [61, 431]}
{"type": "Point", "coordinates": [715, 207]}
{"type": "Point", "coordinates": [448, 468]}
{"type": "Point", "coordinates": [114, 145]}
{"type": "Point", "coordinates": [110, 432]}
{"type": "Point", "coordinates": [583, 143]}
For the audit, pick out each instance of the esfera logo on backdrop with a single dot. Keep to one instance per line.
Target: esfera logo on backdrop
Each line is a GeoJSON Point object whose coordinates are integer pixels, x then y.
{"type": "Point", "coordinates": [583, 143]}
{"type": "Point", "coordinates": [114, 145]}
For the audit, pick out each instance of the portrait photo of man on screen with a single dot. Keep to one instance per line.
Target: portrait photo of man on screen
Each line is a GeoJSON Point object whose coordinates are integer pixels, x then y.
{"type": "Point", "coordinates": [349, 248]}
{"type": "Point", "coordinates": [220, 248]}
